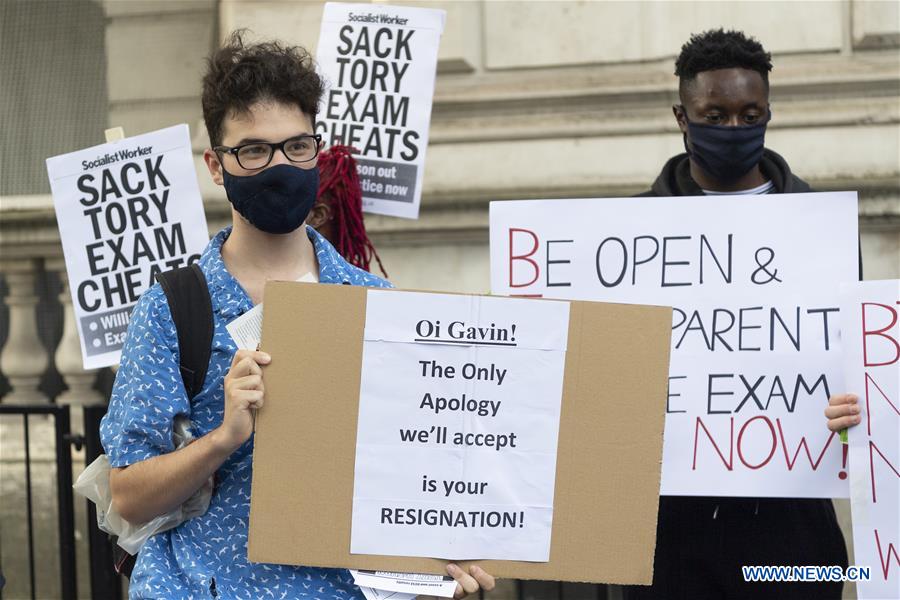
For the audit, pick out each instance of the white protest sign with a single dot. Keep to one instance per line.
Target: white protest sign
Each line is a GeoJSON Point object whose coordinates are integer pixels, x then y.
{"type": "Point", "coordinates": [379, 63]}
{"type": "Point", "coordinates": [870, 331]}
{"type": "Point", "coordinates": [126, 211]}
{"type": "Point", "coordinates": [755, 349]}
{"type": "Point", "coordinates": [402, 586]}
{"type": "Point", "coordinates": [376, 594]}
{"type": "Point", "coordinates": [462, 462]}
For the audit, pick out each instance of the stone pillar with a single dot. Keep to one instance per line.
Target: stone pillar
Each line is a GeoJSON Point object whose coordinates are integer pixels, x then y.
{"type": "Point", "coordinates": [23, 358]}
{"type": "Point", "coordinates": [69, 363]}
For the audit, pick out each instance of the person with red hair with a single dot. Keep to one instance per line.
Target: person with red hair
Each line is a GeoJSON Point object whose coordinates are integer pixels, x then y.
{"type": "Point", "coordinates": [337, 214]}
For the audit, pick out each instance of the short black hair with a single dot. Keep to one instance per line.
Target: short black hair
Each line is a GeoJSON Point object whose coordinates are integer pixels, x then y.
{"type": "Point", "coordinates": [720, 49]}
{"type": "Point", "coordinates": [238, 75]}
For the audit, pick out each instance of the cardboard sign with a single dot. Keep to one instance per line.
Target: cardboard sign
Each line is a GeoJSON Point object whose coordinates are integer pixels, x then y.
{"type": "Point", "coordinates": [465, 392]}
{"type": "Point", "coordinates": [126, 211]}
{"type": "Point", "coordinates": [605, 497]}
{"type": "Point", "coordinates": [755, 335]}
{"type": "Point", "coordinates": [379, 63]}
{"type": "Point", "coordinates": [871, 336]}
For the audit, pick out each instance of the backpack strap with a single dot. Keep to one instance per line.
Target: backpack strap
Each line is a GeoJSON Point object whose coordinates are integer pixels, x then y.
{"type": "Point", "coordinates": [191, 307]}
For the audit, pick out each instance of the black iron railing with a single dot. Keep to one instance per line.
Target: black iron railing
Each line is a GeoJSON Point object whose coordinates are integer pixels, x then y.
{"type": "Point", "coordinates": [66, 513]}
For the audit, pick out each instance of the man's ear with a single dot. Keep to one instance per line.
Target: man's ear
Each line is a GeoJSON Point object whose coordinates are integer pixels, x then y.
{"type": "Point", "coordinates": [680, 117]}
{"type": "Point", "coordinates": [214, 165]}
{"type": "Point", "coordinates": [319, 215]}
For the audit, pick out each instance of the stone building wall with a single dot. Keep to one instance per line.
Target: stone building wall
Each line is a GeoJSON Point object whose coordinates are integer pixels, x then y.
{"type": "Point", "coordinates": [561, 99]}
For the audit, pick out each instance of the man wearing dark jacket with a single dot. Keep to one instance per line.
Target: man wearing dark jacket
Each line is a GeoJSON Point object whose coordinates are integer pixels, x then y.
{"type": "Point", "coordinates": [702, 543]}
{"type": "Point", "coordinates": [676, 180]}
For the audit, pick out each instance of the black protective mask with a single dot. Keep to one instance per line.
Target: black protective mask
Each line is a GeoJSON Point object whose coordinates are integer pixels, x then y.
{"type": "Point", "coordinates": [275, 200]}
{"type": "Point", "coordinates": [726, 153]}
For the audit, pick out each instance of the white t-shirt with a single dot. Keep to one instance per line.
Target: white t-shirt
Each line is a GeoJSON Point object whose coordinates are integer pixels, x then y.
{"type": "Point", "coordinates": [762, 189]}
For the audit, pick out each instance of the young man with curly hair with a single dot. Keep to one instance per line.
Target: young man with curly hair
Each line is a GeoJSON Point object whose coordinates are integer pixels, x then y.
{"type": "Point", "coordinates": [702, 543]}
{"type": "Point", "coordinates": [259, 106]}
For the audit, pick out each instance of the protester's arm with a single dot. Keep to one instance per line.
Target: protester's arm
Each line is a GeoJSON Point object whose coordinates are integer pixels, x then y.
{"type": "Point", "coordinates": [158, 485]}
{"type": "Point", "coordinates": [842, 411]}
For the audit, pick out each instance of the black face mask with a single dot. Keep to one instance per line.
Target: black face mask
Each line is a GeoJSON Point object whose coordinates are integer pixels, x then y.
{"type": "Point", "coordinates": [275, 200]}
{"type": "Point", "coordinates": [726, 153]}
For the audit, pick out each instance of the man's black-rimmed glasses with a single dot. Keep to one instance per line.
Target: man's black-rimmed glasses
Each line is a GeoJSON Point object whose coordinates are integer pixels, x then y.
{"type": "Point", "coordinates": [256, 155]}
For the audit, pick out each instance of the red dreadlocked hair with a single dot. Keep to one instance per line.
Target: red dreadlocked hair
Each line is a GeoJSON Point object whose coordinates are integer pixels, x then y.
{"type": "Point", "coordinates": [339, 184]}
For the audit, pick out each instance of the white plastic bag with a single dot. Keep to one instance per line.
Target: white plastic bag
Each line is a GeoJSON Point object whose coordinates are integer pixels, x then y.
{"type": "Point", "coordinates": [93, 484]}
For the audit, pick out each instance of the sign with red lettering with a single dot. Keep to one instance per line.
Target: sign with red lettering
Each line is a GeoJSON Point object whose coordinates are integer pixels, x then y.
{"type": "Point", "coordinates": [126, 211]}
{"type": "Point", "coordinates": [870, 330]}
{"type": "Point", "coordinates": [379, 63]}
{"type": "Point", "coordinates": [755, 335]}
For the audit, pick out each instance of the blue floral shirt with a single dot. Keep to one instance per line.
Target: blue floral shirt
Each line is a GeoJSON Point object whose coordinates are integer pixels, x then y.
{"type": "Point", "coordinates": [205, 557]}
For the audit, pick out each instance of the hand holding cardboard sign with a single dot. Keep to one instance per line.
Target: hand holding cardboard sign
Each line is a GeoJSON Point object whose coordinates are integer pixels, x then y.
{"type": "Point", "coordinates": [243, 393]}
{"type": "Point", "coordinates": [469, 583]}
